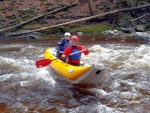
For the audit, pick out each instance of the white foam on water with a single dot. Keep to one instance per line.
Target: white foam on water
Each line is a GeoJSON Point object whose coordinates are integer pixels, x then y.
{"type": "Point", "coordinates": [94, 108]}
{"type": "Point", "coordinates": [28, 73]}
{"type": "Point", "coordinates": [37, 75]}
{"type": "Point", "coordinates": [45, 75]}
{"type": "Point", "coordinates": [99, 108]}
{"type": "Point", "coordinates": [125, 61]}
{"type": "Point", "coordinates": [132, 58]}
{"type": "Point", "coordinates": [20, 107]}
{"type": "Point", "coordinates": [126, 95]}
{"type": "Point", "coordinates": [98, 92]}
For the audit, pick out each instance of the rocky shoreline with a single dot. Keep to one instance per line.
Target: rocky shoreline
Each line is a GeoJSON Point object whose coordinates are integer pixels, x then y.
{"type": "Point", "coordinates": [127, 23]}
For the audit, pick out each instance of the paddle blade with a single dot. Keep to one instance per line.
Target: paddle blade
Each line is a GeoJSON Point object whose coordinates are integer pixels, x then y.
{"type": "Point", "coordinates": [42, 63]}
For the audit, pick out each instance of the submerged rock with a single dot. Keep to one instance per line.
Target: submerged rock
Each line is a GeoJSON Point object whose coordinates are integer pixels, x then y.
{"type": "Point", "coordinates": [142, 35]}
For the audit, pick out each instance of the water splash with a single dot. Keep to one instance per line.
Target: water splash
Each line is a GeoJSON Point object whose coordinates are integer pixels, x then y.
{"type": "Point", "coordinates": [25, 88]}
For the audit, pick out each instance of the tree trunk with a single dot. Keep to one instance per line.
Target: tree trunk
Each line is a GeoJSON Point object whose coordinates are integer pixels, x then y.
{"type": "Point", "coordinates": [90, 5]}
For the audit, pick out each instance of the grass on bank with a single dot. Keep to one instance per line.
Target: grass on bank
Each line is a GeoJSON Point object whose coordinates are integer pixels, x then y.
{"type": "Point", "coordinates": [91, 29]}
{"type": "Point", "coordinates": [86, 29]}
{"type": "Point", "coordinates": [43, 0]}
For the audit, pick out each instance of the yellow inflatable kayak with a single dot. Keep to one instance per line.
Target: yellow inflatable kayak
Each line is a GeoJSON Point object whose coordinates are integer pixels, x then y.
{"type": "Point", "coordinates": [83, 74]}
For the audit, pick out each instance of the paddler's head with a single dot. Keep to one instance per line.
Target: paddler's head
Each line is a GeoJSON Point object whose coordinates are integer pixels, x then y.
{"type": "Point", "coordinates": [67, 35]}
{"type": "Point", "coordinates": [74, 40]}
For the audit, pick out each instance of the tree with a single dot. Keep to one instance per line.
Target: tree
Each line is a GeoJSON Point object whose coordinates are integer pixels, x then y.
{"type": "Point", "coordinates": [90, 5]}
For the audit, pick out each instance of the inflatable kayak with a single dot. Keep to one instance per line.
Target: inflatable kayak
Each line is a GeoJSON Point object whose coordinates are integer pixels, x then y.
{"type": "Point", "coordinates": [83, 74]}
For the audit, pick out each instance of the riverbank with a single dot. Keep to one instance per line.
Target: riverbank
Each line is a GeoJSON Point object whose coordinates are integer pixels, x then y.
{"type": "Point", "coordinates": [137, 20]}
{"type": "Point", "coordinates": [109, 37]}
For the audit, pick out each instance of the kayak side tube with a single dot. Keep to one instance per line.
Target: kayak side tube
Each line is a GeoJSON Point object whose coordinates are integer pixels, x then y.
{"type": "Point", "coordinates": [94, 75]}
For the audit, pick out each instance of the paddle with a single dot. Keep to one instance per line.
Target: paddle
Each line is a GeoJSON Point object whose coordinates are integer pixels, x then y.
{"type": "Point", "coordinates": [45, 62]}
{"type": "Point", "coordinates": [42, 63]}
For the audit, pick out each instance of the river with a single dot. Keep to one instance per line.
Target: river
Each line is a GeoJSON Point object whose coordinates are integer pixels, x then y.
{"type": "Point", "coordinates": [27, 89]}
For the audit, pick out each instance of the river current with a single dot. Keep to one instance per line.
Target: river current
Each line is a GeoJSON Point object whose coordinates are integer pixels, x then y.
{"type": "Point", "coordinates": [27, 89]}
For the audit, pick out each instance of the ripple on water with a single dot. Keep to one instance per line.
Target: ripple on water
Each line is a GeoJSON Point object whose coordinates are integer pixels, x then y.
{"type": "Point", "coordinates": [24, 88]}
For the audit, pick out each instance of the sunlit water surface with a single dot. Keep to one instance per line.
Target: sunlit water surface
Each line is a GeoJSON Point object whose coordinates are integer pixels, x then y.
{"type": "Point", "coordinates": [27, 89]}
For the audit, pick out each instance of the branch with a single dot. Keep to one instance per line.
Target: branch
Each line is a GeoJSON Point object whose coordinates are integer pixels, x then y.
{"type": "Point", "coordinates": [84, 19]}
{"type": "Point", "coordinates": [23, 23]}
{"type": "Point", "coordinates": [139, 17]}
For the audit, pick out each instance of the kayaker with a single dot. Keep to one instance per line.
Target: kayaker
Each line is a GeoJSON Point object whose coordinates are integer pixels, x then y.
{"type": "Point", "coordinates": [76, 49]}
{"type": "Point", "coordinates": [63, 44]}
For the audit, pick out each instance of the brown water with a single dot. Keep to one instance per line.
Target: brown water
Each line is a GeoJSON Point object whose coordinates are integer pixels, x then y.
{"type": "Point", "coordinates": [26, 89]}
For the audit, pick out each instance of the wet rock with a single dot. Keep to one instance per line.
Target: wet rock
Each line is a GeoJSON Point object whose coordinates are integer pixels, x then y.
{"type": "Point", "coordinates": [127, 30]}
{"type": "Point", "coordinates": [142, 36]}
{"type": "Point", "coordinates": [30, 36]}
{"type": "Point", "coordinates": [144, 21]}
{"type": "Point", "coordinates": [80, 33]}
{"type": "Point", "coordinates": [2, 35]}
{"type": "Point", "coordinates": [140, 28]}
{"type": "Point", "coordinates": [124, 22]}
{"type": "Point", "coordinates": [112, 32]}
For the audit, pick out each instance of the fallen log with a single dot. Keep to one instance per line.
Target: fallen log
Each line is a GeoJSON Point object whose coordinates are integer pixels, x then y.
{"type": "Point", "coordinates": [7, 24]}
{"type": "Point", "coordinates": [37, 17]}
{"type": "Point", "coordinates": [139, 17]}
{"type": "Point", "coordinates": [84, 19]}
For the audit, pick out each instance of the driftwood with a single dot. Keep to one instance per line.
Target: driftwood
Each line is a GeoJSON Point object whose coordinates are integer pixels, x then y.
{"type": "Point", "coordinates": [87, 18]}
{"type": "Point", "coordinates": [37, 17]}
{"type": "Point", "coordinates": [6, 24]}
{"type": "Point", "coordinates": [139, 17]}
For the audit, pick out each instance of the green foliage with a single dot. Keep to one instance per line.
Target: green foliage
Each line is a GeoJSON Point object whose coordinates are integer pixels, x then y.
{"type": "Point", "coordinates": [3, 11]}
{"type": "Point", "coordinates": [132, 2]}
{"type": "Point", "coordinates": [128, 17]}
{"type": "Point", "coordinates": [43, 0]}
{"type": "Point", "coordinates": [91, 29]}
{"type": "Point", "coordinates": [147, 28]}
{"type": "Point", "coordinates": [54, 31]}
{"type": "Point", "coordinates": [21, 0]}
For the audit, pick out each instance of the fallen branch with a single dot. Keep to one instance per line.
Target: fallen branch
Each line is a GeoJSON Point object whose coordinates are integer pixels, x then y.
{"type": "Point", "coordinates": [6, 24]}
{"type": "Point", "coordinates": [84, 19]}
{"type": "Point", "coordinates": [139, 17]}
{"type": "Point", "coordinates": [23, 23]}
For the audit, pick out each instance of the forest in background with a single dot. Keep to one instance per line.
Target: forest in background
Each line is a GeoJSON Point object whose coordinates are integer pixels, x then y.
{"type": "Point", "coordinates": [14, 12]}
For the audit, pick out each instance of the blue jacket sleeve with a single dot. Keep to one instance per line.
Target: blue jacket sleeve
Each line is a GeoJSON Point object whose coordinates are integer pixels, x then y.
{"type": "Point", "coordinates": [61, 42]}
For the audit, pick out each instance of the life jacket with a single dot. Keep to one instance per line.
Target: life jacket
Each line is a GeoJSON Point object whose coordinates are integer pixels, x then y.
{"type": "Point", "coordinates": [63, 44]}
{"type": "Point", "coordinates": [77, 55]}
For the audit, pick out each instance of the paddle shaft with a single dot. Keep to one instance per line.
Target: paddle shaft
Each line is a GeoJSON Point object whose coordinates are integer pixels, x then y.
{"type": "Point", "coordinates": [45, 62]}
{"type": "Point", "coordinates": [77, 52]}
{"type": "Point", "coordinates": [74, 52]}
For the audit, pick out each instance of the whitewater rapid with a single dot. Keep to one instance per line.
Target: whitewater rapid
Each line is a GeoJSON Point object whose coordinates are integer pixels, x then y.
{"type": "Point", "coordinates": [125, 89]}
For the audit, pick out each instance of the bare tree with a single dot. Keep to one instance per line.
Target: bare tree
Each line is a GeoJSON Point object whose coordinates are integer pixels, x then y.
{"type": "Point", "coordinates": [90, 5]}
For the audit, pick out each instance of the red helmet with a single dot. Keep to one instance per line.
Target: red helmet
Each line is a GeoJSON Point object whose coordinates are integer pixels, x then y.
{"type": "Point", "coordinates": [75, 38]}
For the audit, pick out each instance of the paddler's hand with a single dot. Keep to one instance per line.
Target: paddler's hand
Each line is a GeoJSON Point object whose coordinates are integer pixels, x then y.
{"type": "Point", "coordinates": [63, 56]}
{"type": "Point", "coordinates": [88, 49]}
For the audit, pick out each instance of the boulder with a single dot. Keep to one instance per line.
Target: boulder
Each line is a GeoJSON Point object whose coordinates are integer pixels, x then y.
{"type": "Point", "coordinates": [142, 36]}
{"type": "Point", "coordinates": [140, 28]}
